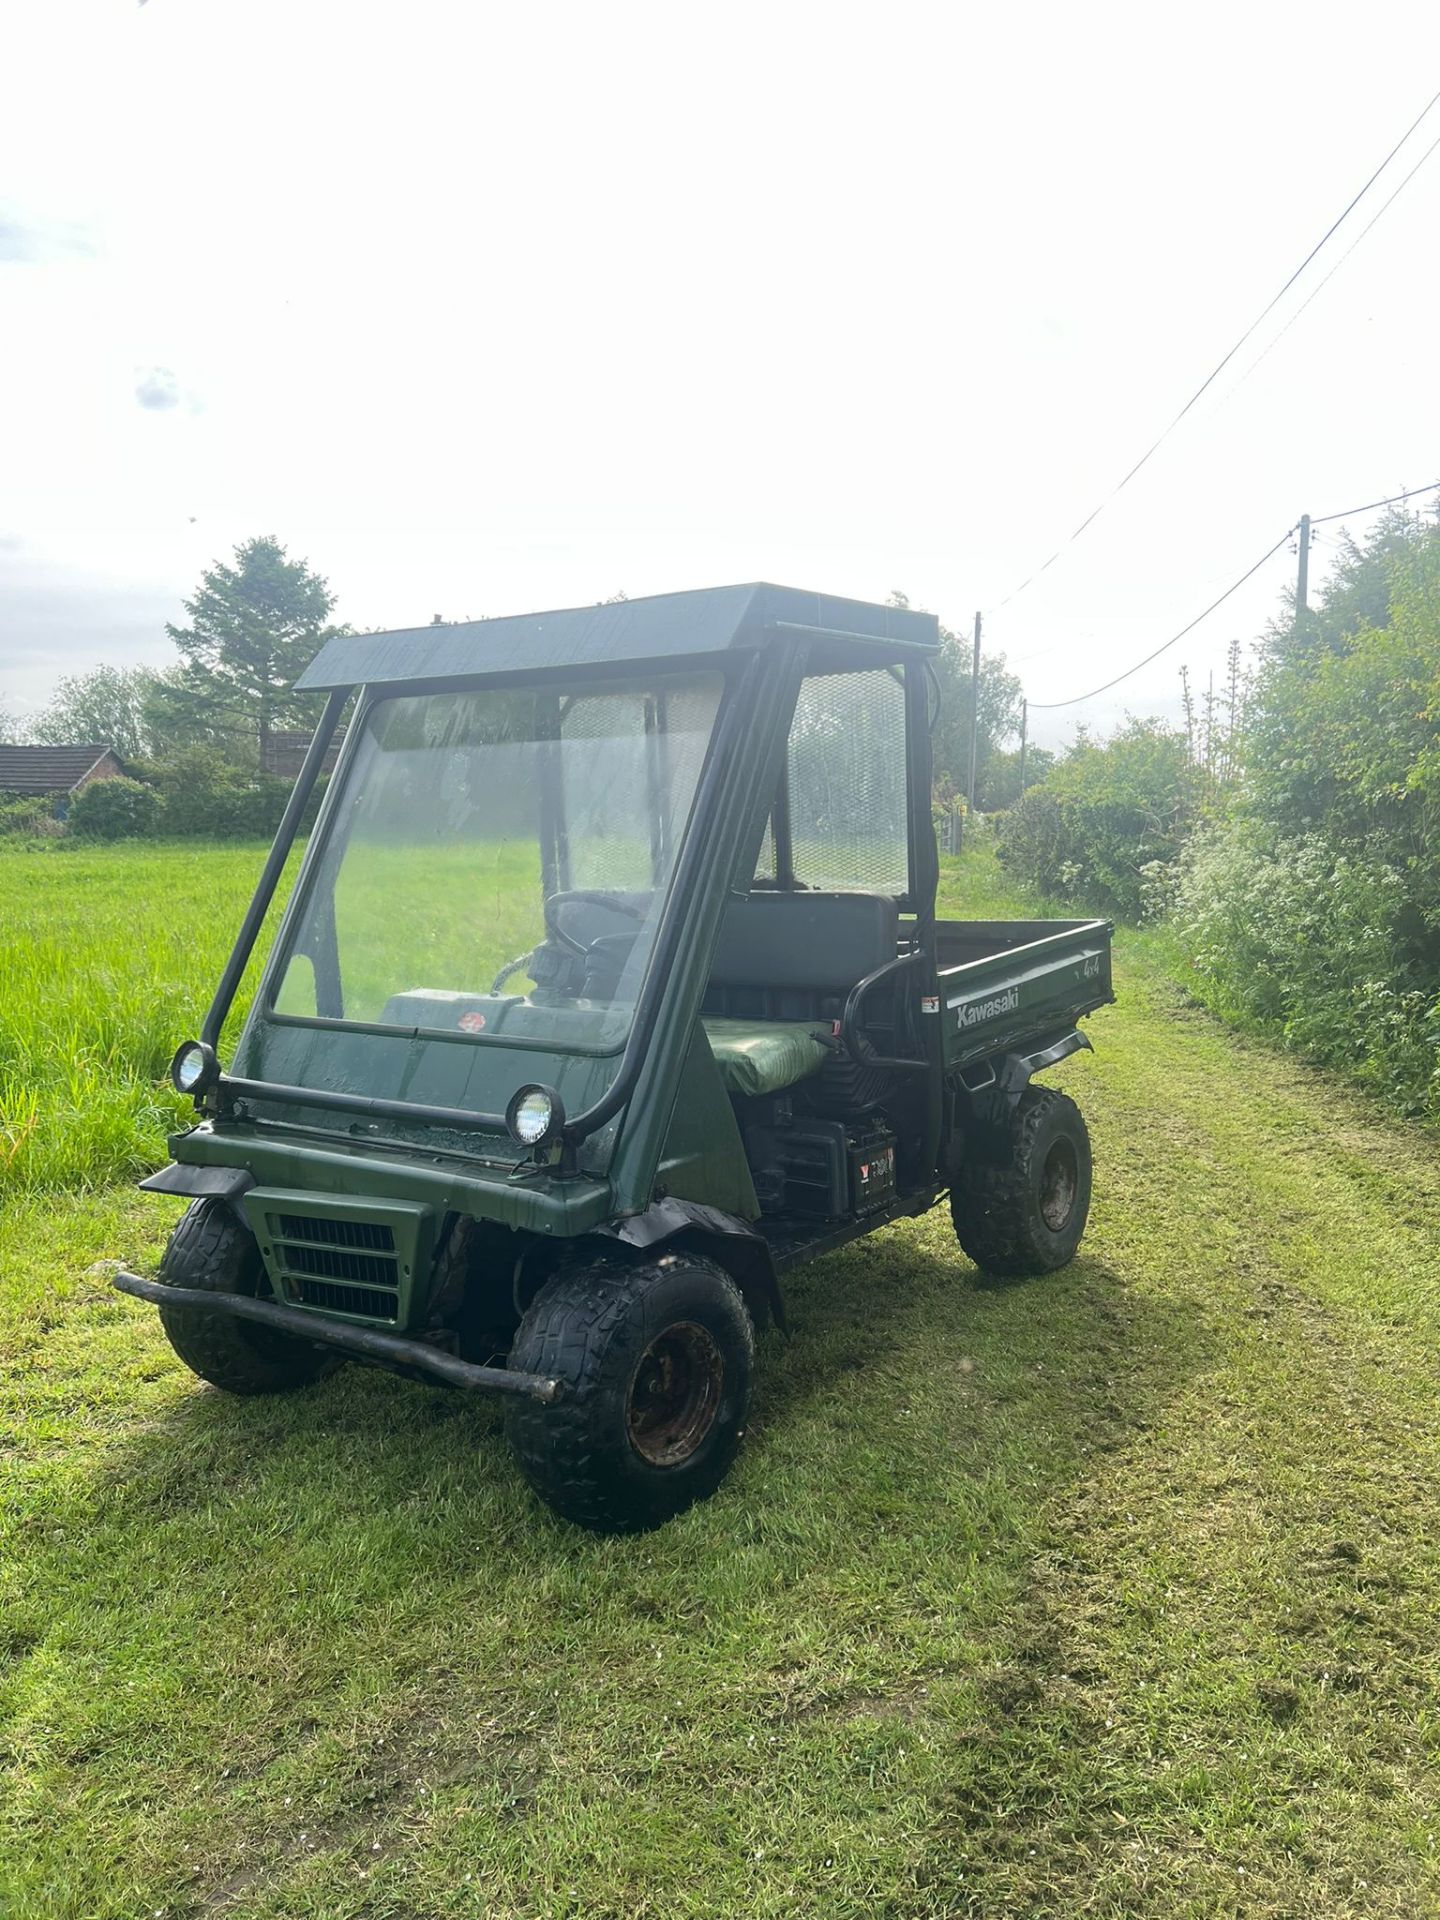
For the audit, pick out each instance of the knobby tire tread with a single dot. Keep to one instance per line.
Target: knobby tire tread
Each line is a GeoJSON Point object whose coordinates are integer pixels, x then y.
{"type": "Point", "coordinates": [210, 1250]}
{"type": "Point", "coordinates": [569, 1452]}
{"type": "Point", "coordinates": [991, 1205]}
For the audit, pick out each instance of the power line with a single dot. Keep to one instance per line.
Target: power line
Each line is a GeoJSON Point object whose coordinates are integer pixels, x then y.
{"type": "Point", "coordinates": [1386, 205]}
{"type": "Point", "coordinates": [1412, 493]}
{"type": "Point", "coordinates": [1270, 552]}
{"type": "Point", "coordinates": [1214, 374]}
{"type": "Point", "coordinates": [1317, 520]}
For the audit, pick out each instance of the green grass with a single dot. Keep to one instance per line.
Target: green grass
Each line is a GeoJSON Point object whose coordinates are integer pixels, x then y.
{"type": "Point", "coordinates": [447, 915]}
{"type": "Point", "coordinates": [1113, 1594]}
{"type": "Point", "coordinates": [108, 958]}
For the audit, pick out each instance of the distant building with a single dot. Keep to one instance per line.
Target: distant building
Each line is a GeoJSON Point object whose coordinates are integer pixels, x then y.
{"type": "Point", "coordinates": [285, 753]}
{"type": "Point", "coordinates": [55, 773]}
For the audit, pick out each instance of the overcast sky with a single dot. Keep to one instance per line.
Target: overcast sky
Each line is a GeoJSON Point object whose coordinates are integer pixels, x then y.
{"type": "Point", "coordinates": [483, 309]}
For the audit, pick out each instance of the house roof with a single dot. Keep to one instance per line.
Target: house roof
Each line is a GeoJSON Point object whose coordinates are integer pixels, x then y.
{"type": "Point", "coordinates": [666, 626]}
{"type": "Point", "coordinates": [47, 769]}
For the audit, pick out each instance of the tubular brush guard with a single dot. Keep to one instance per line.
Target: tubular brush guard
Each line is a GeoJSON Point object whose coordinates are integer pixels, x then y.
{"type": "Point", "coordinates": [366, 1343]}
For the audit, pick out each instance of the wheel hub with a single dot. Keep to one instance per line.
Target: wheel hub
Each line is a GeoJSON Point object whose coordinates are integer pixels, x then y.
{"type": "Point", "coordinates": [1059, 1184]}
{"type": "Point", "coordinates": [675, 1394]}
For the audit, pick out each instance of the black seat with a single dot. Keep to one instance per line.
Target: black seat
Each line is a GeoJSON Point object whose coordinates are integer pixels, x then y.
{"type": "Point", "coordinates": [795, 956]}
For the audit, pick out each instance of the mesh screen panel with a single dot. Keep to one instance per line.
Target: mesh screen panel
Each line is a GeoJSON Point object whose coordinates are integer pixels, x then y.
{"type": "Point", "coordinates": [847, 783]}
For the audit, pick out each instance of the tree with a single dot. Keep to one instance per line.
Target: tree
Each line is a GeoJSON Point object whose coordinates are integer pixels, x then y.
{"type": "Point", "coordinates": [1356, 593]}
{"type": "Point", "coordinates": [1000, 696]}
{"type": "Point", "coordinates": [1343, 715]}
{"type": "Point", "coordinates": [106, 705]}
{"type": "Point", "coordinates": [999, 711]}
{"type": "Point", "coordinates": [8, 726]}
{"type": "Point", "coordinates": [999, 786]}
{"type": "Point", "coordinates": [1106, 818]}
{"type": "Point", "coordinates": [254, 628]}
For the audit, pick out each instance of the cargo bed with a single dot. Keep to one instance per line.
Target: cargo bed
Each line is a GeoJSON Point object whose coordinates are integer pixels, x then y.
{"type": "Point", "coordinates": [1007, 982]}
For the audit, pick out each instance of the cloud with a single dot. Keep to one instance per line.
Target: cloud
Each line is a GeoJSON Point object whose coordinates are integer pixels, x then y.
{"type": "Point", "coordinates": [157, 390]}
{"type": "Point", "coordinates": [57, 618]}
{"type": "Point", "coordinates": [28, 241]}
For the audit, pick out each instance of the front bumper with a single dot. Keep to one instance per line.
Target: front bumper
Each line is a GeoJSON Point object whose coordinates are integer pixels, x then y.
{"type": "Point", "coordinates": [363, 1343]}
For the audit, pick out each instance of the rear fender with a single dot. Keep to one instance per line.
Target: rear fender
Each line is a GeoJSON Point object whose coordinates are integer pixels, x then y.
{"type": "Point", "coordinates": [992, 1089]}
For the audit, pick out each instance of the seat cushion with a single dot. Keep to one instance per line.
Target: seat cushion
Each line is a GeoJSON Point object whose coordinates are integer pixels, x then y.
{"type": "Point", "coordinates": [763, 1056]}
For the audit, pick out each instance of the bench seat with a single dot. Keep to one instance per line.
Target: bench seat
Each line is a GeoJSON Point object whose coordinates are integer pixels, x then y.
{"type": "Point", "coordinates": [764, 1056]}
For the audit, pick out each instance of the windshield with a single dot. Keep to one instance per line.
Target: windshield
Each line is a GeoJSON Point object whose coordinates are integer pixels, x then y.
{"type": "Point", "coordinates": [498, 861]}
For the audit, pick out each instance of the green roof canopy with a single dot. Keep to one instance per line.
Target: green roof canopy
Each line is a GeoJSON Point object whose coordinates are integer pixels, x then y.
{"type": "Point", "coordinates": [666, 626]}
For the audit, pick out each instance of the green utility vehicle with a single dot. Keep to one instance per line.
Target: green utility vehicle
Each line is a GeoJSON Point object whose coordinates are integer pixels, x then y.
{"type": "Point", "coordinates": [610, 989]}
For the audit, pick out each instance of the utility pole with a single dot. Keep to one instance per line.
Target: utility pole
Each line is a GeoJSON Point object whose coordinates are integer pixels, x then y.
{"type": "Point", "coordinates": [1302, 582]}
{"type": "Point", "coordinates": [974, 717]}
{"type": "Point", "coordinates": [1024, 729]}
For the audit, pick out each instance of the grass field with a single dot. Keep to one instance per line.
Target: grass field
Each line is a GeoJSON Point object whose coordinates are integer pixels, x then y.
{"type": "Point", "coordinates": [1113, 1594]}
{"type": "Point", "coordinates": [108, 958]}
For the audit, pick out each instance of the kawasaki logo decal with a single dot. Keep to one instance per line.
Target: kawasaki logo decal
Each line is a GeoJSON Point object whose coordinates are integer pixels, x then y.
{"type": "Point", "coordinates": [979, 1011]}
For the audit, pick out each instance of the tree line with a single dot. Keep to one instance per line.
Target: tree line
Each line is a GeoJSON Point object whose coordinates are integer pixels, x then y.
{"type": "Point", "coordinates": [198, 734]}
{"type": "Point", "coordinates": [1289, 835]}
{"type": "Point", "coordinates": [255, 623]}
{"type": "Point", "coordinates": [197, 737]}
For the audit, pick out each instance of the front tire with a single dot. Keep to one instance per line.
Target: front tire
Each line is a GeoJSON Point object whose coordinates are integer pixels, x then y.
{"type": "Point", "coordinates": [213, 1251]}
{"type": "Point", "coordinates": [655, 1363]}
{"type": "Point", "coordinates": [1027, 1214]}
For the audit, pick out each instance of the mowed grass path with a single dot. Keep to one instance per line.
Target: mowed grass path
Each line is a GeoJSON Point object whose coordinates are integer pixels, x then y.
{"type": "Point", "coordinates": [1111, 1594]}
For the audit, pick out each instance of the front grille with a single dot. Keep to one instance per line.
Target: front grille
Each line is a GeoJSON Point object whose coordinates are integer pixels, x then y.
{"type": "Point", "coordinates": [336, 1233]}
{"type": "Point", "coordinates": [368, 1259]}
{"type": "Point", "coordinates": [338, 1263]}
{"type": "Point", "coordinates": [367, 1302]}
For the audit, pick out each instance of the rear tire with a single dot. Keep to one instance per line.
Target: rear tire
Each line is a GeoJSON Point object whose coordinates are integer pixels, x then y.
{"type": "Point", "coordinates": [655, 1363]}
{"type": "Point", "coordinates": [211, 1250]}
{"type": "Point", "coordinates": [1027, 1214]}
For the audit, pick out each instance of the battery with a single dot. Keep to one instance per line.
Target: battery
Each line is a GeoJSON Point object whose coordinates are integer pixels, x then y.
{"type": "Point", "coordinates": [831, 1169]}
{"type": "Point", "coordinates": [871, 1154]}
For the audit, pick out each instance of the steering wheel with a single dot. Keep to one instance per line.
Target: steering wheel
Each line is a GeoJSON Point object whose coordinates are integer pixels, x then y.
{"type": "Point", "coordinates": [612, 902]}
{"type": "Point", "coordinates": [579, 949]}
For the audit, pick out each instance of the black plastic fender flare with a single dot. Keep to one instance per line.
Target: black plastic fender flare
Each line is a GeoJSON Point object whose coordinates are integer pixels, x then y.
{"type": "Point", "coordinates": [230, 1184]}
{"type": "Point", "coordinates": [994, 1086]}
{"type": "Point", "coordinates": [730, 1241]}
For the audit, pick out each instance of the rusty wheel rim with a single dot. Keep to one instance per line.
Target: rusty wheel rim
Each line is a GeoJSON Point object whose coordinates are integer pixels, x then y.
{"type": "Point", "coordinates": [1059, 1184]}
{"type": "Point", "coordinates": [675, 1394]}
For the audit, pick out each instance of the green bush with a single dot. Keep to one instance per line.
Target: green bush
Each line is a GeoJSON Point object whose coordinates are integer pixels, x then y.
{"type": "Point", "coordinates": [1306, 941]}
{"type": "Point", "coordinates": [1315, 914]}
{"type": "Point", "coordinates": [206, 797]}
{"type": "Point", "coordinates": [114, 810]}
{"type": "Point", "coordinates": [31, 815]}
{"type": "Point", "coordinates": [1105, 820]}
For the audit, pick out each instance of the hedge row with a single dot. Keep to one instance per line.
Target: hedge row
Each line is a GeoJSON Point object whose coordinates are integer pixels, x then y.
{"type": "Point", "coordinates": [184, 800]}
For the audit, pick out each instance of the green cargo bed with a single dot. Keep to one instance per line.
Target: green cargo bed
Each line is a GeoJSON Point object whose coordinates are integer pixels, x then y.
{"type": "Point", "coordinates": [1007, 982]}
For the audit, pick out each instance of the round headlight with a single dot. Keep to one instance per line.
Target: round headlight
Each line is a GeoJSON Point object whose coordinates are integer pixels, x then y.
{"type": "Point", "coordinates": [193, 1067]}
{"type": "Point", "coordinates": [534, 1115]}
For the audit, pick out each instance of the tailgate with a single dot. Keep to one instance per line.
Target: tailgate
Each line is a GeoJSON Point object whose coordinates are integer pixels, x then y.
{"type": "Point", "coordinates": [990, 1004]}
